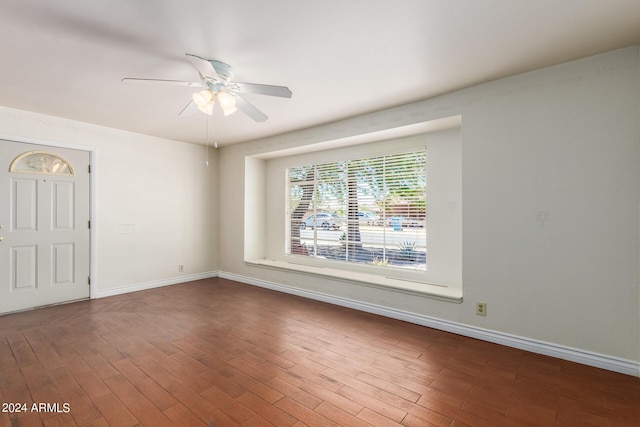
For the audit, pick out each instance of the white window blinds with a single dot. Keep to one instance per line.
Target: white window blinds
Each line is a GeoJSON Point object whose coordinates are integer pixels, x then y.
{"type": "Point", "coordinates": [367, 211]}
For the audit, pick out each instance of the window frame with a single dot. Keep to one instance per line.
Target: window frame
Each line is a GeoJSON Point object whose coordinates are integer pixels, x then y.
{"type": "Point", "coordinates": [264, 229]}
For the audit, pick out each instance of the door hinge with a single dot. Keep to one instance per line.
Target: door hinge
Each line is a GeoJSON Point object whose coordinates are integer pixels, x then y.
{"type": "Point", "coordinates": [89, 280]}
{"type": "Point", "coordinates": [89, 168]}
{"type": "Point", "coordinates": [89, 224]}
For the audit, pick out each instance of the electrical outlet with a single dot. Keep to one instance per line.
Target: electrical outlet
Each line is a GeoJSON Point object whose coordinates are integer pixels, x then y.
{"type": "Point", "coordinates": [180, 268]}
{"type": "Point", "coordinates": [481, 308]}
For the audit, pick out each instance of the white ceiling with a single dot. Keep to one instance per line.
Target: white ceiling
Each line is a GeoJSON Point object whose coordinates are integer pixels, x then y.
{"type": "Point", "coordinates": [341, 58]}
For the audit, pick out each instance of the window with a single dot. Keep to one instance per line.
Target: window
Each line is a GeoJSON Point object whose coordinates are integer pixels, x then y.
{"type": "Point", "coordinates": [369, 210]}
{"type": "Point", "coordinates": [407, 189]}
{"type": "Point", "coordinates": [41, 162]}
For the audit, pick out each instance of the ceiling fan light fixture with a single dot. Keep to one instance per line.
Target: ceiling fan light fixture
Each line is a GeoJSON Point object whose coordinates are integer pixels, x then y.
{"type": "Point", "coordinates": [229, 111]}
{"type": "Point", "coordinates": [227, 103]}
{"type": "Point", "coordinates": [205, 101]}
{"type": "Point", "coordinates": [207, 109]}
{"type": "Point", "coordinates": [203, 97]}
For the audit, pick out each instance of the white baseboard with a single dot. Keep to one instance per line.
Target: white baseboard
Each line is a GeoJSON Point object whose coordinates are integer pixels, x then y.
{"type": "Point", "coordinates": [603, 361]}
{"type": "Point", "coordinates": [154, 284]}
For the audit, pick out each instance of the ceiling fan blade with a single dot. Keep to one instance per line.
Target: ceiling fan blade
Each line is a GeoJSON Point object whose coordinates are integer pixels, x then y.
{"type": "Point", "coordinates": [270, 90]}
{"type": "Point", "coordinates": [203, 66]}
{"type": "Point", "coordinates": [189, 110]}
{"type": "Point", "coordinates": [249, 109]}
{"type": "Point", "coordinates": [170, 82]}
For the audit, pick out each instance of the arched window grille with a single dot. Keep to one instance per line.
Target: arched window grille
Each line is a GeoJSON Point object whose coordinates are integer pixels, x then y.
{"type": "Point", "coordinates": [41, 162]}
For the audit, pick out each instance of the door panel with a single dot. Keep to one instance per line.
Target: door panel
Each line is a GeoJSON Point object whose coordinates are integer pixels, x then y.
{"type": "Point", "coordinates": [24, 267]}
{"type": "Point", "coordinates": [62, 200]}
{"type": "Point", "coordinates": [24, 204]}
{"type": "Point", "coordinates": [63, 263]}
{"type": "Point", "coordinates": [44, 250]}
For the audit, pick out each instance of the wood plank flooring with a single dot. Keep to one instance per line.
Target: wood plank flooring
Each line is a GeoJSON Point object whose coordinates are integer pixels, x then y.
{"type": "Point", "coordinates": [220, 353]}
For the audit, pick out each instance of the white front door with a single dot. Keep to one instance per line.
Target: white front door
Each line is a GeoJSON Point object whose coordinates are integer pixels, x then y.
{"type": "Point", "coordinates": [44, 220]}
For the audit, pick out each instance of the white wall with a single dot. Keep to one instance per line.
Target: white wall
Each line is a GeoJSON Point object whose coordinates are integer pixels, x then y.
{"type": "Point", "coordinates": [154, 201]}
{"type": "Point", "coordinates": [550, 166]}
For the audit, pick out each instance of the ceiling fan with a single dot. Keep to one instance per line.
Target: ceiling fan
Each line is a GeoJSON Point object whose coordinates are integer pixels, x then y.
{"type": "Point", "coordinates": [216, 80]}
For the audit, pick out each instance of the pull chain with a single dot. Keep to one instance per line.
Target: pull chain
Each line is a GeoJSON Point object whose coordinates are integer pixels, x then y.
{"type": "Point", "coordinates": [206, 142]}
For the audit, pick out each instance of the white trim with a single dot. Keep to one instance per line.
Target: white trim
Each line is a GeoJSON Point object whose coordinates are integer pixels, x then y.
{"type": "Point", "coordinates": [411, 287]}
{"type": "Point", "coordinates": [584, 357]}
{"type": "Point", "coordinates": [134, 287]}
{"type": "Point", "coordinates": [93, 249]}
{"type": "Point", "coordinates": [392, 132]}
{"type": "Point", "coordinates": [39, 141]}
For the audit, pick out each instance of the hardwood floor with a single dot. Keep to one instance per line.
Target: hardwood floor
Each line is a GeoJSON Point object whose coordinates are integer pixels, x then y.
{"type": "Point", "coordinates": [220, 353]}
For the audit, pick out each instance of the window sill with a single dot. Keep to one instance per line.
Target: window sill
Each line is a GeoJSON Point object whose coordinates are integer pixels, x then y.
{"type": "Point", "coordinates": [429, 290]}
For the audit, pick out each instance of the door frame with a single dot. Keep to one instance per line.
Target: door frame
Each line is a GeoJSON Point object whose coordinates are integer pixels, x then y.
{"type": "Point", "coordinates": [92, 194]}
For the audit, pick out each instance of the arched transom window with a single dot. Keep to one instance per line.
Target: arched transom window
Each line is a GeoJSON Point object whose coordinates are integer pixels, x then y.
{"type": "Point", "coordinates": [41, 162]}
